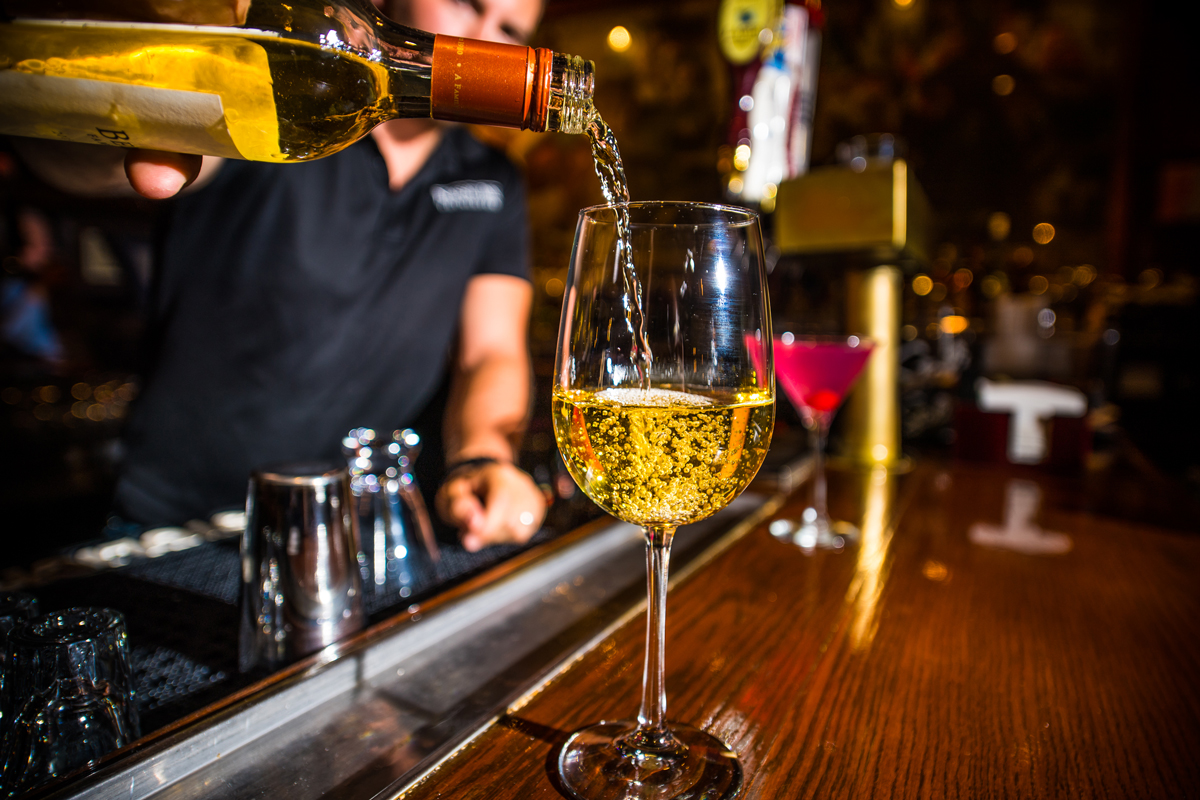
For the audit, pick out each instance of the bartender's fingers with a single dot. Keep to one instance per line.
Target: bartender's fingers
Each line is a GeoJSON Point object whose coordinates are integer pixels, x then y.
{"type": "Point", "coordinates": [497, 504]}
{"type": "Point", "coordinates": [514, 507]}
{"type": "Point", "coordinates": [159, 175]}
{"type": "Point", "coordinates": [459, 504]}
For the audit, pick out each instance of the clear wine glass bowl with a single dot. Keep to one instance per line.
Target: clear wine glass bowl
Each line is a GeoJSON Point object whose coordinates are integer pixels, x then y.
{"type": "Point", "coordinates": [663, 410]}
{"type": "Point", "coordinates": [816, 373]}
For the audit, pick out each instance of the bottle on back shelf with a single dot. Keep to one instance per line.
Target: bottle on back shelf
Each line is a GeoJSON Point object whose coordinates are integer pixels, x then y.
{"type": "Point", "coordinates": [264, 80]}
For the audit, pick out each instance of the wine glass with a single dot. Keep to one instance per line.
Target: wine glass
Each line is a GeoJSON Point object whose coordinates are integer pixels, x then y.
{"type": "Point", "coordinates": [816, 373]}
{"type": "Point", "coordinates": [663, 410]}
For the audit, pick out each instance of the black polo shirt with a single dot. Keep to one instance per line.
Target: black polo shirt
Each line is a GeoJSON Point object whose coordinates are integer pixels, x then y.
{"type": "Point", "coordinates": [296, 302]}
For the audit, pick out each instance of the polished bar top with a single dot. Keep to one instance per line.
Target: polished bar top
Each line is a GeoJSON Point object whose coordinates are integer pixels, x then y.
{"type": "Point", "coordinates": [931, 659]}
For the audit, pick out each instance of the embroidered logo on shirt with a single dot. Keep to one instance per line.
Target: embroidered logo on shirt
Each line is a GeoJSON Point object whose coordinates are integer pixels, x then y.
{"type": "Point", "coordinates": [468, 196]}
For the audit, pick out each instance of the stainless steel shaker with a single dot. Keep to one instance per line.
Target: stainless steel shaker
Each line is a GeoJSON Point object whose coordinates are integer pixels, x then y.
{"type": "Point", "coordinates": [301, 588]}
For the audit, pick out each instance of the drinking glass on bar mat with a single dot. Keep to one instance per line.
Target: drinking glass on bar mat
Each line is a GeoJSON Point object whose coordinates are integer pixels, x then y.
{"type": "Point", "coordinates": [15, 608]}
{"type": "Point", "coordinates": [663, 408]}
{"type": "Point", "coordinates": [68, 695]}
{"type": "Point", "coordinates": [816, 373]}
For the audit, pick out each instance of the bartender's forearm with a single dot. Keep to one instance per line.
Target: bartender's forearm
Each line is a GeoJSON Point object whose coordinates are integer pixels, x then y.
{"type": "Point", "coordinates": [490, 391]}
{"type": "Point", "coordinates": [488, 410]}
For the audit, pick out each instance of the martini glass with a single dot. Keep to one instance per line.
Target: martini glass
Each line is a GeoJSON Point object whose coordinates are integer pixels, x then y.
{"type": "Point", "coordinates": [663, 405]}
{"type": "Point", "coordinates": [816, 373]}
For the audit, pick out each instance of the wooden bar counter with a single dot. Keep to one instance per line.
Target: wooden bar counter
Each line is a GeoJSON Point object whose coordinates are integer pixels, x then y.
{"type": "Point", "coordinates": [915, 663]}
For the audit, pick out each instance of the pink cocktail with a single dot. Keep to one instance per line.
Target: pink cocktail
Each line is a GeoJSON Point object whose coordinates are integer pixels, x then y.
{"type": "Point", "coordinates": [816, 373]}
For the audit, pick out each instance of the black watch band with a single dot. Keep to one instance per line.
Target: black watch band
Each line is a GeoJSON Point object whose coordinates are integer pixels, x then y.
{"type": "Point", "coordinates": [469, 464]}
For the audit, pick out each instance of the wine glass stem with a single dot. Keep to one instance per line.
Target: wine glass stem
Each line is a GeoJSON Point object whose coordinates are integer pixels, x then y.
{"type": "Point", "coordinates": [652, 732]}
{"type": "Point", "coordinates": [817, 432]}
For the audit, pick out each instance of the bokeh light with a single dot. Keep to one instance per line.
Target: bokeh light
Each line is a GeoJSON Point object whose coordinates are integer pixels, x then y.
{"type": "Point", "coordinates": [619, 39]}
{"type": "Point", "coordinates": [999, 224]}
{"type": "Point", "coordinates": [1084, 274]}
{"type": "Point", "coordinates": [922, 285]}
{"type": "Point", "coordinates": [954, 324]}
{"type": "Point", "coordinates": [991, 287]}
{"type": "Point", "coordinates": [1043, 233]}
{"type": "Point", "coordinates": [1004, 43]}
{"type": "Point", "coordinates": [741, 157]}
{"type": "Point", "coordinates": [1003, 85]}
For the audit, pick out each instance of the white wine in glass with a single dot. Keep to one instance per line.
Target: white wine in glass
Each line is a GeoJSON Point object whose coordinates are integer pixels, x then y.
{"type": "Point", "coordinates": [663, 417]}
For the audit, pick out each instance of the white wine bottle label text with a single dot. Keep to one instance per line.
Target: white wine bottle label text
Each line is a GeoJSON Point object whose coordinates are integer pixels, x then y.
{"type": "Point", "coordinates": [70, 109]}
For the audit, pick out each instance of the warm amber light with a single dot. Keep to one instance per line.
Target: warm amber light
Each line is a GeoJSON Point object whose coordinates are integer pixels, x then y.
{"type": "Point", "coordinates": [903, 3]}
{"type": "Point", "coordinates": [922, 285]}
{"type": "Point", "coordinates": [954, 324]}
{"type": "Point", "coordinates": [554, 287]}
{"type": "Point", "coordinates": [1043, 232]}
{"type": "Point", "coordinates": [935, 570]}
{"type": "Point", "coordinates": [1023, 256]}
{"type": "Point", "coordinates": [741, 157]}
{"type": "Point", "coordinates": [1038, 284]}
{"type": "Point", "coordinates": [998, 225]}
{"type": "Point", "coordinates": [1004, 43]}
{"type": "Point", "coordinates": [1084, 274]}
{"type": "Point", "coordinates": [736, 186]}
{"type": "Point", "coordinates": [619, 39]}
{"type": "Point", "coordinates": [1003, 85]}
{"type": "Point", "coordinates": [963, 278]}
{"type": "Point", "coordinates": [991, 287]}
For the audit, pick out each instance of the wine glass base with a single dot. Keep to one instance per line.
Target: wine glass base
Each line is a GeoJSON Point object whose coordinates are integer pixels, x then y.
{"type": "Point", "coordinates": [600, 762]}
{"type": "Point", "coordinates": [815, 535]}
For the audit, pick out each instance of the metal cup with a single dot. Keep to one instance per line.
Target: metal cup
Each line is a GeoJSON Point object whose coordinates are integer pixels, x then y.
{"type": "Point", "coordinates": [301, 589]}
{"type": "Point", "coordinates": [68, 697]}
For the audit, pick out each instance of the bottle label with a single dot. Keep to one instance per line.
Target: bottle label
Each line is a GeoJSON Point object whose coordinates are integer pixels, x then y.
{"type": "Point", "coordinates": [487, 83]}
{"type": "Point", "coordinates": [116, 114]}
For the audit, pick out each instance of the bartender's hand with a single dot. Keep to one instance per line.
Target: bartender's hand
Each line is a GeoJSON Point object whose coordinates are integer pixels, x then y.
{"type": "Point", "coordinates": [159, 175]}
{"type": "Point", "coordinates": [94, 170]}
{"type": "Point", "coordinates": [492, 504]}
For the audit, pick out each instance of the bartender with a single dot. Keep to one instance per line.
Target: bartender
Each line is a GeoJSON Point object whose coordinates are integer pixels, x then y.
{"type": "Point", "coordinates": [295, 302]}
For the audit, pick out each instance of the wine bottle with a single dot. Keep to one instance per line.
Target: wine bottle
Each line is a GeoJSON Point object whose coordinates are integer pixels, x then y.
{"type": "Point", "coordinates": [264, 80]}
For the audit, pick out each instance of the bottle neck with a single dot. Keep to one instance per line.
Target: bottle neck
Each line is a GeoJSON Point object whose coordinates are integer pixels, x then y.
{"type": "Point", "coordinates": [572, 83]}
{"type": "Point", "coordinates": [512, 86]}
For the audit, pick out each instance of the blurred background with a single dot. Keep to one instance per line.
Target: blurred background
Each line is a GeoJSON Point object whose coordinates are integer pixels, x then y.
{"type": "Point", "coordinates": [1052, 139]}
